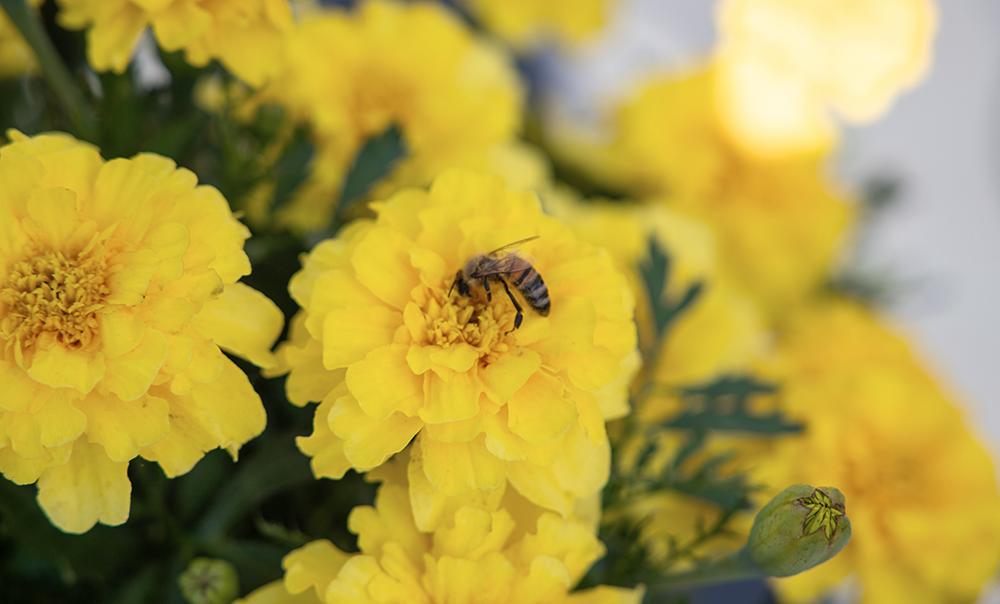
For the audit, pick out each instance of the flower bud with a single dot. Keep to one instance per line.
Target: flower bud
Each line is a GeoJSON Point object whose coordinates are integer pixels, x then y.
{"type": "Point", "coordinates": [209, 581]}
{"type": "Point", "coordinates": [800, 528]}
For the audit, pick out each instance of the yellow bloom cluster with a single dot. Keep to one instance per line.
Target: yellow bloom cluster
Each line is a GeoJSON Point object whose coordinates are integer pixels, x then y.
{"type": "Point", "coordinates": [923, 498]}
{"type": "Point", "coordinates": [528, 22]}
{"type": "Point", "coordinates": [516, 553]}
{"type": "Point", "coordinates": [16, 57]}
{"type": "Point", "coordinates": [394, 351]}
{"type": "Point", "coordinates": [244, 35]}
{"type": "Point", "coordinates": [456, 99]}
{"type": "Point", "coordinates": [784, 61]}
{"type": "Point", "coordinates": [117, 288]}
{"type": "Point", "coordinates": [779, 222]}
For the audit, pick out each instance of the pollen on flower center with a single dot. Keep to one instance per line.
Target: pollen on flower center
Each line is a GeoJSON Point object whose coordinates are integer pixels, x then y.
{"type": "Point", "coordinates": [51, 296]}
{"type": "Point", "coordinates": [485, 325]}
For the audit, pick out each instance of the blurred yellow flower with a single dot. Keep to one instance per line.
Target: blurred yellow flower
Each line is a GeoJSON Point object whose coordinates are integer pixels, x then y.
{"type": "Point", "coordinates": [778, 223]}
{"type": "Point", "coordinates": [530, 22]}
{"type": "Point", "coordinates": [244, 35]}
{"type": "Point", "coordinates": [487, 556]}
{"type": "Point", "coordinates": [118, 287]}
{"type": "Point", "coordinates": [921, 492]}
{"type": "Point", "coordinates": [456, 99]}
{"type": "Point", "coordinates": [783, 62]}
{"type": "Point", "coordinates": [16, 57]}
{"type": "Point", "coordinates": [393, 350]}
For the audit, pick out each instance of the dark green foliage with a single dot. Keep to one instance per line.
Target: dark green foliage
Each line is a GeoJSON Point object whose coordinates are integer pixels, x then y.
{"type": "Point", "coordinates": [374, 161]}
{"type": "Point", "coordinates": [722, 405]}
{"type": "Point", "coordinates": [656, 271]}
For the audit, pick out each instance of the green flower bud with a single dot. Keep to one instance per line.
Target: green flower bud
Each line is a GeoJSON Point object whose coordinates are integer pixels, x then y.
{"type": "Point", "coordinates": [799, 529]}
{"type": "Point", "coordinates": [209, 581]}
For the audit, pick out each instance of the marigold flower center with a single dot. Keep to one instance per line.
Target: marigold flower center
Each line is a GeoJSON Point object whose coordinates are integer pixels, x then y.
{"type": "Point", "coordinates": [53, 296]}
{"type": "Point", "coordinates": [486, 325]}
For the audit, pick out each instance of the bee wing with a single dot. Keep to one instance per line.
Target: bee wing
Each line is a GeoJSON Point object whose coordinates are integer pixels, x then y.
{"type": "Point", "coordinates": [510, 245]}
{"type": "Point", "coordinates": [511, 263]}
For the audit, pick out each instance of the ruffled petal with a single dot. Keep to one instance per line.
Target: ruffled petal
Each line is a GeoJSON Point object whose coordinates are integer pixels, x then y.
{"type": "Point", "coordinates": [382, 263]}
{"type": "Point", "coordinates": [505, 376]}
{"type": "Point", "coordinates": [61, 368]}
{"type": "Point", "coordinates": [242, 321]}
{"type": "Point", "coordinates": [539, 411]}
{"type": "Point", "coordinates": [450, 400]}
{"type": "Point", "coordinates": [370, 442]}
{"type": "Point", "coordinates": [431, 506]}
{"type": "Point", "coordinates": [315, 565]}
{"type": "Point", "coordinates": [192, 433]}
{"type": "Point", "coordinates": [124, 427]}
{"type": "Point", "coordinates": [234, 404]}
{"type": "Point", "coordinates": [349, 334]}
{"type": "Point", "coordinates": [276, 593]}
{"type": "Point", "coordinates": [583, 468]}
{"type": "Point", "coordinates": [121, 331]}
{"type": "Point", "coordinates": [540, 486]}
{"type": "Point", "coordinates": [324, 447]}
{"type": "Point", "coordinates": [130, 375]}
{"type": "Point", "coordinates": [383, 384]}
{"type": "Point", "coordinates": [19, 390]}
{"type": "Point", "coordinates": [88, 489]}
{"type": "Point", "coordinates": [455, 468]}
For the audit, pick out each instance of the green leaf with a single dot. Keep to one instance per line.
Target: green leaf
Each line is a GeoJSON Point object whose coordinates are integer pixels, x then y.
{"type": "Point", "coordinates": [292, 168]}
{"type": "Point", "coordinates": [655, 271]}
{"type": "Point", "coordinates": [722, 405]}
{"type": "Point", "coordinates": [376, 158]}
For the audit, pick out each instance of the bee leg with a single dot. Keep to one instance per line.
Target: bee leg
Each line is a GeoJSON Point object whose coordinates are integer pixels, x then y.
{"type": "Point", "coordinates": [517, 307]}
{"type": "Point", "coordinates": [486, 286]}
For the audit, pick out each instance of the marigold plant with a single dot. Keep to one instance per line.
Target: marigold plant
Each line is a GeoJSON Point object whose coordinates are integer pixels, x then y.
{"type": "Point", "coordinates": [394, 351]}
{"type": "Point", "coordinates": [527, 22]}
{"type": "Point", "coordinates": [455, 99]}
{"type": "Point", "coordinates": [244, 35]}
{"type": "Point", "coordinates": [118, 287]}
{"type": "Point", "coordinates": [513, 553]}
{"type": "Point", "coordinates": [922, 491]}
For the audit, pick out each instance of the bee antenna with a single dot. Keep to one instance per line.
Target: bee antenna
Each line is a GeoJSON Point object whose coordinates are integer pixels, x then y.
{"type": "Point", "coordinates": [452, 287]}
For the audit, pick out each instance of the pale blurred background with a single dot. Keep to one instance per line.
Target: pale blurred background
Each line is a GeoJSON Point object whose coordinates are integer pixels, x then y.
{"type": "Point", "coordinates": [940, 240]}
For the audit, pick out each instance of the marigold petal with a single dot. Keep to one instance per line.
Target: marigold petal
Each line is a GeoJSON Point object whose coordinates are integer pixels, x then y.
{"type": "Point", "coordinates": [605, 594]}
{"type": "Point", "coordinates": [388, 521]}
{"type": "Point", "coordinates": [19, 390]}
{"type": "Point", "coordinates": [130, 284]}
{"type": "Point", "coordinates": [50, 422]}
{"type": "Point", "coordinates": [217, 237]}
{"type": "Point", "coordinates": [61, 368]}
{"type": "Point", "coordinates": [192, 433]}
{"type": "Point", "coordinates": [19, 470]}
{"type": "Point", "coordinates": [572, 328]}
{"type": "Point", "coordinates": [310, 381]}
{"type": "Point", "coordinates": [583, 468]}
{"type": "Point", "coordinates": [314, 565]}
{"type": "Point", "coordinates": [505, 376]}
{"type": "Point", "coordinates": [457, 357]}
{"type": "Point", "coordinates": [382, 263]}
{"type": "Point", "coordinates": [275, 592]}
{"type": "Point", "coordinates": [449, 579]}
{"type": "Point", "coordinates": [349, 334]}
{"type": "Point", "coordinates": [351, 584]}
{"type": "Point", "coordinates": [130, 375]}
{"type": "Point", "coordinates": [382, 383]}
{"type": "Point", "coordinates": [121, 331]}
{"type": "Point", "coordinates": [506, 445]}
{"type": "Point", "coordinates": [124, 427]}
{"type": "Point", "coordinates": [450, 400]}
{"type": "Point", "coordinates": [456, 468]}
{"type": "Point", "coordinates": [456, 431]}
{"type": "Point", "coordinates": [88, 489]}
{"type": "Point", "coordinates": [180, 351]}
{"type": "Point", "coordinates": [180, 22]}
{"type": "Point", "coordinates": [243, 322]}
{"type": "Point", "coordinates": [207, 362]}
{"type": "Point", "coordinates": [53, 210]}
{"type": "Point", "coordinates": [432, 506]}
{"type": "Point", "coordinates": [110, 42]}
{"type": "Point", "coordinates": [370, 442]}
{"type": "Point", "coordinates": [167, 315]}
{"type": "Point", "coordinates": [547, 581]}
{"type": "Point", "coordinates": [324, 447]}
{"type": "Point", "coordinates": [539, 412]}
{"type": "Point", "coordinates": [122, 188]}
{"type": "Point", "coordinates": [334, 288]}
{"type": "Point", "coordinates": [592, 370]}
{"type": "Point", "coordinates": [540, 486]}
{"type": "Point", "coordinates": [234, 404]}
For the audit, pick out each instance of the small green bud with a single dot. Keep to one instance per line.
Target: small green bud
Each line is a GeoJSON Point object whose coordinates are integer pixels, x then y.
{"type": "Point", "coordinates": [209, 581]}
{"type": "Point", "coordinates": [799, 529]}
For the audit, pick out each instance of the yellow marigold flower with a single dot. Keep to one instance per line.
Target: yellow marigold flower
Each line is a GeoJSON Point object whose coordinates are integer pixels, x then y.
{"type": "Point", "coordinates": [244, 35]}
{"type": "Point", "coordinates": [456, 99]}
{"type": "Point", "coordinates": [393, 350]}
{"type": "Point", "coordinates": [922, 492]}
{"type": "Point", "coordinates": [515, 555]}
{"type": "Point", "coordinates": [785, 61]}
{"type": "Point", "coordinates": [778, 223]}
{"type": "Point", "coordinates": [16, 57]}
{"type": "Point", "coordinates": [527, 22]}
{"type": "Point", "coordinates": [118, 287]}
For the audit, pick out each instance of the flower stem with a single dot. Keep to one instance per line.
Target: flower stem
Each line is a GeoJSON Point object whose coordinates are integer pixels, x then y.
{"type": "Point", "coordinates": [54, 70]}
{"type": "Point", "coordinates": [737, 566]}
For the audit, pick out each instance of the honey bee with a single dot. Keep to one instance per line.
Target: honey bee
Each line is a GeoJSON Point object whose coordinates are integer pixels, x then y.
{"type": "Point", "coordinates": [501, 266]}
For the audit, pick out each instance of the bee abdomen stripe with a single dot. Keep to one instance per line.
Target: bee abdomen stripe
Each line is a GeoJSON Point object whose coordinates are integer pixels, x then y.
{"type": "Point", "coordinates": [524, 275]}
{"type": "Point", "coordinates": [533, 283]}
